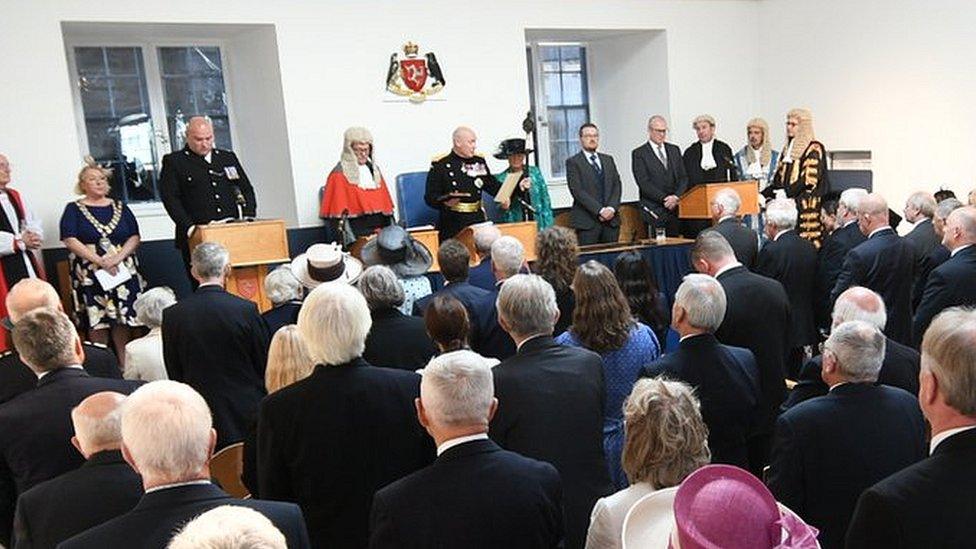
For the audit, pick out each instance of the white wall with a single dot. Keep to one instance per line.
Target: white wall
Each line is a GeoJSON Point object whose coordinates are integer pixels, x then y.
{"type": "Point", "coordinates": [896, 77]}
{"type": "Point", "coordinates": [333, 57]}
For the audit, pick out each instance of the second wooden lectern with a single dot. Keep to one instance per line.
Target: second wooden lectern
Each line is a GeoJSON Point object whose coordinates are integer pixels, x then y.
{"type": "Point", "coordinates": [695, 204]}
{"type": "Point", "coordinates": [252, 246]}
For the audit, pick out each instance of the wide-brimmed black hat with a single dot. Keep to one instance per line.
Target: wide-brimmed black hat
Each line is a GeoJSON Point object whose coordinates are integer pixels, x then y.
{"type": "Point", "coordinates": [512, 146]}
{"type": "Point", "coordinates": [395, 248]}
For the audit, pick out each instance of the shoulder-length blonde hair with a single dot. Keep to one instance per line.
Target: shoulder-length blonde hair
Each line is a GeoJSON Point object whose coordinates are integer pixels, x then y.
{"type": "Point", "coordinates": [288, 360]}
{"type": "Point", "coordinates": [601, 317]}
{"type": "Point", "coordinates": [666, 437]}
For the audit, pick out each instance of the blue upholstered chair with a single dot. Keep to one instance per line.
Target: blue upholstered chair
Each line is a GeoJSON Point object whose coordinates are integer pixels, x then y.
{"type": "Point", "coordinates": [413, 210]}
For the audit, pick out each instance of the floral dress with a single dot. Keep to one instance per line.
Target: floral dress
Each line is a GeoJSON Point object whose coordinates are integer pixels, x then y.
{"type": "Point", "coordinates": [97, 227]}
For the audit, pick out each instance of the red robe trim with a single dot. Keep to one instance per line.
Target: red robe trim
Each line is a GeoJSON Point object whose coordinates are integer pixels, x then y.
{"type": "Point", "coordinates": [342, 196]}
{"type": "Point", "coordinates": [5, 342]}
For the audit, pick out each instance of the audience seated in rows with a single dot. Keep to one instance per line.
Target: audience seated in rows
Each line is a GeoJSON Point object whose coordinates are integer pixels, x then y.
{"type": "Point", "coordinates": [409, 259]}
{"type": "Point", "coordinates": [395, 340]}
{"type": "Point", "coordinates": [603, 324]}
{"type": "Point", "coordinates": [725, 378]}
{"type": "Point", "coordinates": [475, 494]}
{"type": "Point", "coordinates": [329, 441]}
{"type": "Point", "coordinates": [168, 438]}
{"type": "Point", "coordinates": [144, 356]}
{"type": "Point", "coordinates": [828, 449]}
{"type": "Point", "coordinates": [552, 399]}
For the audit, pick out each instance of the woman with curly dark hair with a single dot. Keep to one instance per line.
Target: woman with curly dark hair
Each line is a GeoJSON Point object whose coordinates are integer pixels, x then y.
{"type": "Point", "coordinates": [647, 303]}
{"type": "Point", "coordinates": [557, 256]}
{"type": "Point", "coordinates": [602, 323]}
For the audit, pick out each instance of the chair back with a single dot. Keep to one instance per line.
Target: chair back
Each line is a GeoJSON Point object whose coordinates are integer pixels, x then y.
{"type": "Point", "coordinates": [414, 212]}
{"type": "Point", "coordinates": [226, 467]}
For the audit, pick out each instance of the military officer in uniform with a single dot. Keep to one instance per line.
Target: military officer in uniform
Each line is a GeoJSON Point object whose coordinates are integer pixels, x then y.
{"type": "Point", "coordinates": [200, 184]}
{"type": "Point", "coordinates": [455, 182]}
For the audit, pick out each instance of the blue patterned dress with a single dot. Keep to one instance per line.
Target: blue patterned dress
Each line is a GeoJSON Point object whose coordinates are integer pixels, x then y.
{"type": "Point", "coordinates": [97, 308]}
{"type": "Point", "coordinates": [621, 368]}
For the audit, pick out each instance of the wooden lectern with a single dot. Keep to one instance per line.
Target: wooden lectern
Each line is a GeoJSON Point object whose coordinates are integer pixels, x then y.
{"type": "Point", "coordinates": [694, 204]}
{"type": "Point", "coordinates": [523, 231]}
{"type": "Point", "coordinates": [252, 246]}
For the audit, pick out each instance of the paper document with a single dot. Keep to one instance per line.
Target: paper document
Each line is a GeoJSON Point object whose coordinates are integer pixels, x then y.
{"type": "Point", "coordinates": [108, 281]}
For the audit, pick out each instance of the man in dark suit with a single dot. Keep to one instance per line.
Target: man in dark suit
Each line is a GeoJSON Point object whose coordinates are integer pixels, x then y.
{"type": "Point", "coordinates": [481, 275]}
{"type": "Point", "coordinates": [726, 379]}
{"type": "Point", "coordinates": [35, 427]}
{"type": "Point", "coordinates": [900, 365]}
{"type": "Point", "coordinates": [792, 261]}
{"type": "Point", "coordinates": [827, 450]}
{"type": "Point", "coordinates": [725, 216]}
{"type": "Point", "coordinates": [57, 509]}
{"type": "Point", "coordinates": [201, 183]}
{"type": "Point", "coordinates": [15, 376]}
{"type": "Point", "coordinates": [834, 249]}
{"type": "Point", "coordinates": [954, 282]}
{"type": "Point", "coordinates": [395, 340]}
{"type": "Point", "coordinates": [938, 255]}
{"type": "Point", "coordinates": [931, 503]}
{"type": "Point", "coordinates": [488, 338]}
{"type": "Point", "coordinates": [885, 263]}
{"type": "Point", "coordinates": [475, 494]}
{"type": "Point", "coordinates": [594, 182]}
{"type": "Point", "coordinates": [329, 441]}
{"type": "Point", "coordinates": [660, 176]}
{"type": "Point", "coordinates": [454, 261]}
{"type": "Point", "coordinates": [707, 160]}
{"type": "Point", "coordinates": [563, 427]}
{"type": "Point", "coordinates": [217, 343]}
{"type": "Point", "coordinates": [919, 211]}
{"type": "Point", "coordinates": [175, 477]}
{"type": "Point", "coordinates": [747, 293]}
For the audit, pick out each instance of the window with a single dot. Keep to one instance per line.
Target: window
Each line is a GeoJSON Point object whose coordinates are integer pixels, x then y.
{"type": "Point", "coordinates": [126, 92]}
{"type": "Point", "coordinates": [562, 88]}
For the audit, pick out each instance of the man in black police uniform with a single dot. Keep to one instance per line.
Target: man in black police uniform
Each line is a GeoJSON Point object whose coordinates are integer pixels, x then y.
{"type": "Point", "coordinates": [455, 182]}
{"type": "Point", "coordinates": [200, 184]}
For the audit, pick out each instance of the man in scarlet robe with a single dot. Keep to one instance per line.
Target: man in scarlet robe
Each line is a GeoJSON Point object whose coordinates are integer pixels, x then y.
{"type": "Point", "coordinates": [20, 241]}
{"type": "Point", "coordinates": [355, 189]}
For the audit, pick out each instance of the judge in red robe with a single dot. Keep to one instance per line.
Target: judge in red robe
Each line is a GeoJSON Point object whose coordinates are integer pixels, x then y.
{"type": "Point", "coordinates": [355, 190]}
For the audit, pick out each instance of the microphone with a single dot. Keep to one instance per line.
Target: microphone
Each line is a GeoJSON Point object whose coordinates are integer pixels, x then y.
{"type": "Point", "coordinates": [733, 169]}
{"type": "Point", "coordinates": [525, 204]}
{"type": "Point", "coordinates": [650, 212]}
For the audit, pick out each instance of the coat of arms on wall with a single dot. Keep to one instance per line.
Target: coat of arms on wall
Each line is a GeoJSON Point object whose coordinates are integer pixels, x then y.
{"type": "Point", "coordinates": [413, 76]}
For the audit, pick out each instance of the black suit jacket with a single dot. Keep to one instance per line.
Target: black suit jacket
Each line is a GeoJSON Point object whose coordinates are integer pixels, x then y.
{"type": "Point", "coordinates": [481, 275]}
{"type": "Point", "coordinates": [723, 160]}
{"type": "Point", "coordinates": [827, 450]}
{"type": "Point", "coordinates": [281, 315]}
{"type": "Point", "coordinates": [217, 343]}
{"type": "Point", "coordinates": [655, 181]}
{"type": "Point", "coordinates": [542, 378]}
{"type": "Point", "coordinates": [103, 488]}
{"type": "Point", "coordinates": [464, 292]}
{"type": "Point", "coordinates": [899, 369]}
{"type": "Point", "coordinates": [951, 284]}
{"type": "Point", "coordinates": [474, 495]}
{"type": "Point", "coordinates": [830, 259]}
{"type": "Point", "coordinates": [36, 430]}
{"type": "Point", "coordinates": [746, 295]}
{"type": "Point", "coordinates": [923, 237]}
{"type": "Point", "coordinates": [195, 192]}
{"type": "Point", "coordinates": [584, 185]}
{"type": "Point", "coordinates": [792, 261]}
{"type": "Point", "coordinates": [939, 255]}
{"type": "Point", "coordinates": [329, 441]}
{"type": "Point", "coordinates": [885, 263]}
{"type": "Point", "coordinates": [398, 341]}
{"type": "Point", "coordinates": [159, 514]}
{"type": "Point", "coordinates": [726, 380]}
{"type": "Point", "coordinates": [929, 504]}
{"type": "Point", "coordinates": [16, 377]}
{"type": "Point", "coordinates": [487, 336]}
{"type": "Point", "coordinates": [744, 241]}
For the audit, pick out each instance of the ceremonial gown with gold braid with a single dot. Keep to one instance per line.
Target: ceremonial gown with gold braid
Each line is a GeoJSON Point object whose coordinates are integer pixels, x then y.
{"type": "Point", "coordinates": [805, 180]}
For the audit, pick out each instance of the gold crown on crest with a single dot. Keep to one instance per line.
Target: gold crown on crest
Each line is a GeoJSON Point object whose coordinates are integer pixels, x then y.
{"type": "Point", "coordinates": [410, 48]}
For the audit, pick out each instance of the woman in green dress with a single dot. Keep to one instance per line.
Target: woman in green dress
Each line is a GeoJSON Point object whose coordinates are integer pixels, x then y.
{"type": "Point", "coordinates": [532, 189]}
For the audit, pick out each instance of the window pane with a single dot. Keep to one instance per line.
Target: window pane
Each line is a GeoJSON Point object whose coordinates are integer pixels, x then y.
{"type": "Point", "coordinates": [558, 154]}
{"type": "Point", "coordinates": [122, 61]}
{"type": "Point", "coordinates": [172, 60]}
{"type": "Point", "coordinates": [557, 124]}
{"type": "Point", "coordinates": [572, 88]}
{"type": "Point", "coordinates": [570, 58]}
{"type": "Point", "coordinates": [554, 95]}
{"type": "Point", "coordinates": [95, 98]}
{"type": "Point", "coordinates": [127, 96]}
{"type": "Point", "coordinates": [90, 61]}
{"type": "Point", "coordinates": [550, 58]}
{"type": "Point", "coordinates": [193, 85]}
{"type": "Point", "coordinates": [576, 118]}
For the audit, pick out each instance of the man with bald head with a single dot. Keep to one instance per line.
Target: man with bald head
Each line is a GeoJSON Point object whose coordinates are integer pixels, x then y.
{"type": "Point", "coordinates": [201, 183]}
{"type": "Point", "coordinates": [455, 182]}
{"type": "Point", "coordinates": [660, 175]}
{"type": "Point", "coordinates": [15, 377]}
{"type": "Point", "coordinates": [20, 239]}
{"type": "Point", "coordinates": [954, 282]}
{"type": "Point", "coordinates": [900, 365]}
{"type": "Point", "coordinates": [104, 487]}
{"type": "Point", "coordinates": [885, 263]}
